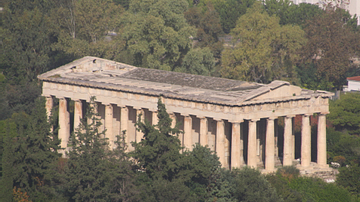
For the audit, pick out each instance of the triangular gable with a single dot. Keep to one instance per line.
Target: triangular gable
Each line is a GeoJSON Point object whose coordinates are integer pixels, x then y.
{"type": "Point", "coordinates": [274, 90]}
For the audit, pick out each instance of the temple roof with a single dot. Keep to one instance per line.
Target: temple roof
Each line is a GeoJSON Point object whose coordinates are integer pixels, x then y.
{"type": "Point", "coordinates": [106, 74]}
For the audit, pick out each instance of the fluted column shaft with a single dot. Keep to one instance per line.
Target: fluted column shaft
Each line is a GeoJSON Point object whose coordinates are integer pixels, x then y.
{"type": "Point", "coordinates": [64, 123]}
{"type": "Point", "coordinates": [155, 118]}
{"type": "Point", "coordinates": [187, 132]}
{"type": "Point", "coordinates": [269, 147]}
{"type": "Point", "coordinates": [236, 157]}
{"type": "Point", "coordinates": [321, 141]}
{"type": "Point", "coordinates": [173, 120]}
{"type": "Point", "coordinates": [203, 131]}
{"type": "Point", "coordinates": [78, 113]}
{"type": "Point", "coordinates": [49, 105]}
{"type": "Point", "coordinates": [124, 116]}
{"type": "Point", "coordinates": [220, 141]}
{"type": "Point", "coordinates": [139, 134]}
{"type": "Point", "coordinates": [109, 110]}
{"type": "Point", "coordinates": [287, 149]}
{"type": "Point", "coordinates": [251, 161]}
{"type": "Point", "coordinates": [305, 141]}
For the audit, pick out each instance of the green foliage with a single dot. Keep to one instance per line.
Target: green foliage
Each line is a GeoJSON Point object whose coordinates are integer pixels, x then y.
{"type": "Point", "coordinates": [349, 178]}
{"type": "Point", "coordinates": [198, 61]}
{"type": "Point", "coordinates": [313, 189]}
{"type": "Point", "coordinates": [281, 180]}
{"type": "Point", "coordinates": [292, 187]}
{"type": "Point", "coordinates": [230, 11]}
{"type": "Point", "coordinates": [156, 34]}
{"type": "Point", "coordinates": [85, 27]}
{"type": "Point", "coordinates": [6, 183]}
{"type": "Point", "coordinates": [330, 46]}
{"type": "Point", "coordinates": [345, 113]}
{"type": "Point", "coordinates": [92, 172]}
{"type": "Point", "coordinates": [293, 14]}
{"type": "Point", "coordinates": [158, 153]}
{"type": "Point", "coordinates": [33, 153]}
{"type": "Point", "coordinates": [307, 74]}
{"type": "Point", "coordinates": [208, 27]}
{"type": "Point", "coordinates": [250, 185]}
{"type": "Point", "coordinates": [262, 49]}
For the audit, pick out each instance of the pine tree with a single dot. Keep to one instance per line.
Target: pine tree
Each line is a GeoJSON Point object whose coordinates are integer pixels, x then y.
{"type": "Point", "coordinates": [35, 154]}
{"type": "Point", "coordinates": [93, 173]}
{"type": "Point", "coordinates": [6, 185]}
{"type": "Point", "coordinates": [158, 154]}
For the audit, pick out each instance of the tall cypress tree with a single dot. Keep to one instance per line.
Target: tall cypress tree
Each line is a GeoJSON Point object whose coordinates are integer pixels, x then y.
{"type": "Point", "coordinates": [36, 154]}
{"type": "Point", "coordinates": [158, 154]}
{"type": "Point", "coordinates": [93, 172]}
{"type": "Point", "coordinates": [6, 181]}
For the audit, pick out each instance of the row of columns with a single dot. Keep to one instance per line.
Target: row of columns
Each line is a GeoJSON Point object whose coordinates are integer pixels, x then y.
{"type": "Point", "coordinates": [236, 143]}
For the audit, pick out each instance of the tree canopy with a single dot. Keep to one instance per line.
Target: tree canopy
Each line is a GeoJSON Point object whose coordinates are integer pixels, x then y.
{"type": "Point", "coordinates": [262, 50]}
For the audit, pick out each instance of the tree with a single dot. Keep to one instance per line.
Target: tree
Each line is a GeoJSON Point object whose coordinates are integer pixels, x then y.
{"type": "Point", "coordinates": [208, 27]}
{"type": "Point", "coordinates": [250, 185]}
{"type": "Point", "coordinates": [158, 153]}
{"type": "Point", "coordinates": [279, 8]}
{"type": "Point", "coordinates": [92, 172]}
{"type": "Point", "coordinates": [25, 40]}
{"type": "Point", "coordinates": [262, 50]}
{"type": "Point", "coordinates": [230, 11]}
{"type": "Point", "coordinates": [198, 61]}
{"type": "Point", "coordinates": [345, 113]}
{"type": "Point", "coordinates": [6, 183]}
{"type": "Point", "coordinates": [156, 34]}
{"type": "Point", "coordinates": [330, 46]}
{"type": "Point", "coordinates": [87, 27]}
{"type": "Point", "coordinates": [35, 153]}
{"type": "Point", "coordinates": [349, 178]}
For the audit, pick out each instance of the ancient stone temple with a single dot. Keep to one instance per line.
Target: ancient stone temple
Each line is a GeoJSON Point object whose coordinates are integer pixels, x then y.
{"type": "Point", "coordinates": [237, 119]}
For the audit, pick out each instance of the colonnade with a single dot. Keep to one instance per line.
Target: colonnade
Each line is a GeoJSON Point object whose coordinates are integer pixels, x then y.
{"type": "Point", "coordinates": [237, 143]}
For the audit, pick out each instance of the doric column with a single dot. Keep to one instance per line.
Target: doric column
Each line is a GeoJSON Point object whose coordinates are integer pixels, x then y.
{"type": "Point", "coordinates": [305, 141]}
{"type": "Point", "coordinates": [288, 145]}
{"type": "Point", "coordinates": [251, 161]}
{"type": "Point", "coordinates": [276, 121]}
{"type": "Point", "coordinates": [139, 134]}
{"type": "Point", "coordinates": [187, 132]}
{"type": "Point", "coordinates": [154, 119]}
{"type": "Point", "coordinates": [64, 124]}
{"type": "Point", "coordinates": [109, 110]}
{"type": "Point", "coordinates": [124, 116]}
{"type": "Point", "coordinates": [269, 147]}
{"type": "Point", "coordinates": [220, 142]}
{"type": "Point", "coordinates": [236, 146]}
{"type": "Point", "coordinates": [173, 120]}
{"type": "Point", "coordinates": [78, 113]}
{"type": "Point", "coordinates": [321, 140]}
{"type": "Point", "coordinates": [49, 105]}
{"type": "Point", "coordinates": [203, 131]}
{"type": "Point", "coordinates": [293, 138]}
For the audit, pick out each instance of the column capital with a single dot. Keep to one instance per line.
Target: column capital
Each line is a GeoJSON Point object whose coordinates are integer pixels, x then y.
{"type": "Point", "coordinates": [290, 115]}
{"type": "Point", "coordinates": [185, 115]}
{"type": "Point", "coordinates": [216, 119]}
{"type": "Point", "coordinates": [271, 117]}
{"type": "Point", "coordinates": [47, 96]}
{"type": "Point", "coordinates": [236, 121]}
{"type": "Point", "coordinates": [308, 114]}
{"type": "Point", "coordinates": [254, 120]}
{"type": "Point", "coordinates": [138, 108]}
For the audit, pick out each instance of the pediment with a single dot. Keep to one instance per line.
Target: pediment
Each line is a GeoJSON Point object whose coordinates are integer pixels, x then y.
{"type": "Point", "coordinates": [275, 90]}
